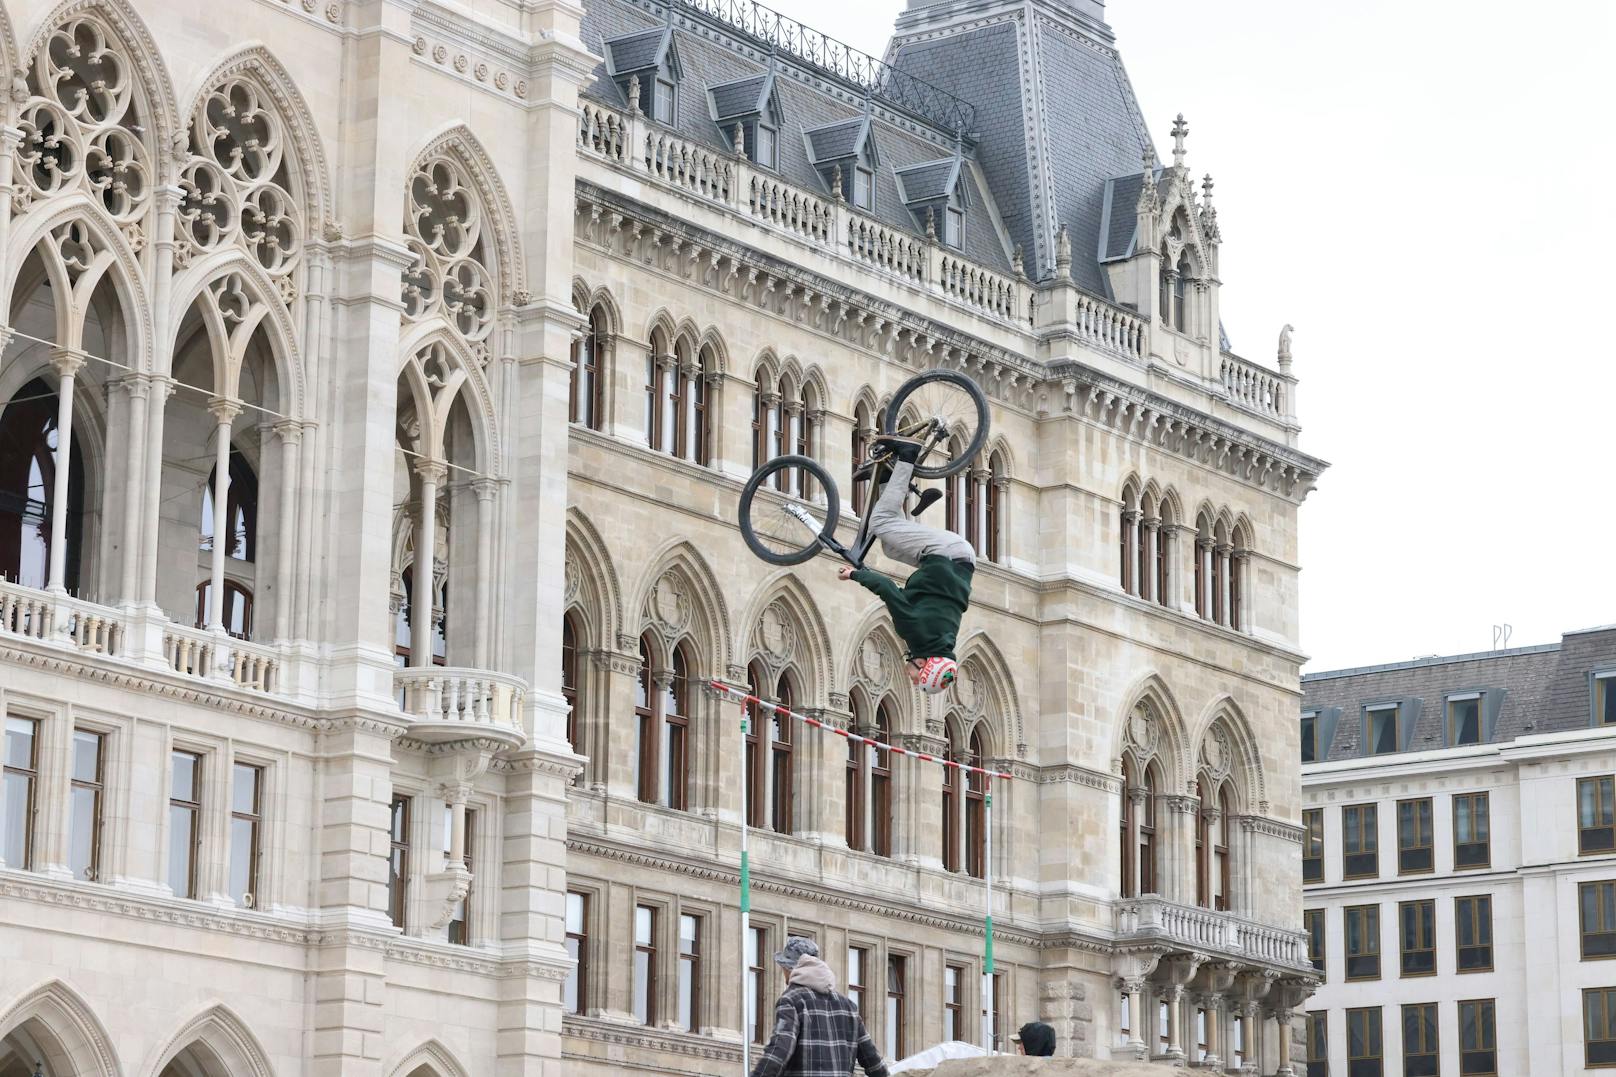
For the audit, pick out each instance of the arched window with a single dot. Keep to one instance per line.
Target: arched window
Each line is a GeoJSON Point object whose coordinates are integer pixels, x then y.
{"type": "Point", "coordinates": [1212, 845]}
{"type": "Point", "coordinates": [241, 510]}
{"type": "Point", "coordinates": [1221, 895]}
{"type": "Point", "coordinates": [698, 421]}
{"type": "Point", "coordinates": [766, 404]}
{"type": "Point", "coordinates": [993, 519]}
{"type": "Point", "coordinates": [881, 785]}
{"type": "Point", "coordinates": [676, 734]}
{"type": "Point", "coordinates": [1204, 581]}
{"type": "Point", "coordinates": [756, 679]}
{"type": "Point", "coordinates": [645, 726]}
{"type": "Point", "coordinates": [853, 800]}
{"type": "Point", "coordinates": [1180, 288]}
{"type": "Point", "coordinates": [662, 723]}
{"type": "Point", "coordinates": [1145, 530]}
{"type": "Point", "coordinates": [569, 676]}
{"type": "Point", "coordinates": [1129, 540]}
{"type": "Point", "coordinates": [1165, 297]}
{"type": "Point", "coordinates": [236, 615]}
{"type": "Point", "coordinates": [659, 365]}
{"type": "Point", "coordinates": [28, 457]}
{"type": "Point", "coordinates": [404, 629]}
{"type": "Point", "coordinates": [951, 798]}
{"type": "Point", "coordinates": [1220, 574]}
{"type": "Point", "coordinates": [863, 433]}
{"type": "Point", "coordinates": [1164, 537]}
{"type": "Point", "coordinates": [1147, 835]}
{"type": "Point", "coordinates": [975, 809]}
{"type": "Point", "coordinates": [1126, 841]}
{"type": "Point", "coordinates": [588, 377]}
{"type": "Point", "coordinates": [780, 756]}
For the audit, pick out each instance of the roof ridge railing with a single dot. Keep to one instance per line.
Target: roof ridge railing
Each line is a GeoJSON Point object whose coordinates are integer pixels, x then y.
{"type": "Point", "coordinates": [916, 95]}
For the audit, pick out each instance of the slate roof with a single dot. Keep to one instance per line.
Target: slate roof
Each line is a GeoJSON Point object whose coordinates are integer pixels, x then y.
{"type": "Point", "coordinates": [835, 141]}
{"type": "Point", "coordinates": [928, 181]}
{"type": "Point", "coordinates": [637, 51]}
{"type": "Point", "coordinates": [740, 97]}
{"type": "Point", "coordinates": [1545, 689]}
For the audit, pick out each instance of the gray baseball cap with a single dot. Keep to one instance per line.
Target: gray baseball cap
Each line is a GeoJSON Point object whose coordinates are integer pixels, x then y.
{"type": "Point", "coordinates": [796, 947]}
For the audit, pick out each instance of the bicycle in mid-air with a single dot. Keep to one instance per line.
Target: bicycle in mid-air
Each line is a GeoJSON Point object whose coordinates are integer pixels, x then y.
{"type": "Point", "coordinates": [789, 508]}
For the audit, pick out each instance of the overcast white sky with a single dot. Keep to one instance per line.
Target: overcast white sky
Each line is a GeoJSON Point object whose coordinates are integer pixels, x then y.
{"type": "Point", "coordinates": [1422, 189]}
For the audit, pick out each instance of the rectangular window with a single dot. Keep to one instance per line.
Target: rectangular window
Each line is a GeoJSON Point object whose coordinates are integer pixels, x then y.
{"type": "Point", "coordinates": [398, 858]}
{"type": "Point", "coordinates": [1472, 843]}
{"type": "Point", "coordinates": [1360, 842]}
{"type": "Point", "coordinates": [575, 993]}
{"type": "Point", "coordinates": [1473, 931]}
{"type": "Point", "coordinates": [1363, 1042]}
{"type": "Point", "coordinates": [757, 1003]}
{"type": "Point", "coordinates": [690, 972]}
{"type": "Point", "coordinates": [1596, 825]}
{"type": "Point", "coordinates": [1417, 937]}
{"type": "Point", "coordinates": [953, 227]}
{"type": "Point", "coordinates": [184, 822]}
{"type": "Point", "coordinates": [858, 965]}
{"type": "Point", "coordinates": [21, 783]}
{"type": "Point", "coordinates": [1414, 855]}
{"type": "Point", "coordinates": [1605, 699]}
{"type": "Point", "coordinates": [663, 103]}
{"type": "Point", "coordinates": [1478, 1039]}
{"type": "Point", "coordinates": [1598, 904]}
{"type": "Point", "coordinates": [459, 918]}
{"type": "Point", "coordinates": [863, 187]}
{"type": "Point", "coordinates": [1313, 845]}
{"type": "Point", "coordinates": [1599, 1026]}
{"type": "Point", "coordinates": [997, 993]}
{"type": "Point", "coordinates": [953, 1002]}
{"type": "Point", "coordinates": [246, 819]}
{"type": "Point", "coordinates": [763, 145]}
{"type": "Point", "coordinates": [1464, 719]}
{"type": "Point", "coordinates": [895, 1009]}
{"type": "Point", "coordinates": [1419, 1040]}
{"type": "Point", "coordinates": [84, 838]}
{"type": "Point", "coordinates": [1384, 732]}
{"type": "Point", "coordinates": [1310, 738]}
{"type": "Point", "coordinates": [1361, 928]}
{"type": "Point", "coordinates": [1124, 1017]}
{"type": "Point", "coordinates": [645, 964]}
{"type": "Point", "coordinates": [1318, 1044]}
{"type": "Point", "coordinates": [1313, 923]}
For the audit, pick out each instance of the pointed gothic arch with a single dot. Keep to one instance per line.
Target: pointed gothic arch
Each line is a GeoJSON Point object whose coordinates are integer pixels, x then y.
{"type": "Point", "coordinates": [460, 144]}
{"type": "Point", "coordinates": [591, 585]}
{"type": "Point", "coordinates": [430, 1059]}
{"type": "Point", "coordinates": [244, 302]}
{"type": "Point", "coordinates": [1227, 747]}
{"type": "Point", "coordinates": [8, 48]}
{"type": "Point", "coordinates": [986, 688]}
{"type": "Point", "coordinates": [782, 626]}
{"type": "Point", "coordinates": [679, 596]}
{"type": "Point", "coordinates": [457, 375]}
{"type": "Point", "coordinates": [1151, 727]}
{"type": "Point", "coordinates": [871, 657]}
{"type": "Point", "coordinates": [59, 1020]}
{"type": "Point", "coordinates": [220, 1044]}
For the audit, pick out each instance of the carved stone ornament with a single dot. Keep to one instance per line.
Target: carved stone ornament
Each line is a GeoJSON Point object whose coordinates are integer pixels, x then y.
{"type": "Point", "coordinates": [669, 605]}
{"type": "Point", "coordinates": [571, 582]}
{"type": "Point", "coordinates": [1215, 752]}
{"type": "Point", "coordinates": [968, 692]}
{"type": "Point", "coordinates": [875, 663]}
{"type": "Point", "coordinates": [1142, 729]}
{"type": "Point", "coordinates": [775, 636]}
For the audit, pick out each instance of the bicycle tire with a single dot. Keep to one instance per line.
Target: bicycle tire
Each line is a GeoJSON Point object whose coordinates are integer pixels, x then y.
{"type": "Point", "coordinates": [831, 508]}
{"type": "Point", "coordinates": [979, 436]}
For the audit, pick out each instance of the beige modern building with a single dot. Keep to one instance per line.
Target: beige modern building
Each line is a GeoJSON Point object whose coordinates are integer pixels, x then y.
{"type": "Point", "coordinates": [1461, 863]}
{"type": "Point", "coordinates": [532, 287]}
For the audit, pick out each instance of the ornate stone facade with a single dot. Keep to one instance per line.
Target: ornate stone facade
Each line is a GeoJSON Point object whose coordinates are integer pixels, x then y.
{"type": "Point", "coordinates": [355, 666]}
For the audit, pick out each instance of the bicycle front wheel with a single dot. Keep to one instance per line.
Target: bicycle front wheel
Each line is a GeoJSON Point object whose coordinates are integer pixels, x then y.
{"type": "Point", "coordinates": [944, 400]}
{"type": "Point", "coordinates": [786, 506]}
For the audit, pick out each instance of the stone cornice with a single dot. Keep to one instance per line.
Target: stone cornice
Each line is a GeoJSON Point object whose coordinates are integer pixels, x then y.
{"type": "Point", "coordinates": [1273, 828]}
{"type": "Point", "coordinates": [650, 1039]}
{"type": "Point", "coordinates": [1071, 772]}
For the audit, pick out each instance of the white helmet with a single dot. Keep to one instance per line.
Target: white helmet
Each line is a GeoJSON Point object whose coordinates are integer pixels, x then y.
{"type": "Point", "coordinates": [936, 674]}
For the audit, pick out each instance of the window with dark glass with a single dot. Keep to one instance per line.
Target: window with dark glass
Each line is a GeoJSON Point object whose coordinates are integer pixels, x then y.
{"type": "Point", "coordinates": [1364, 1056]}
{"type": "Point", "coordinates": [896, 969]}
{"type": "Point", "coordinates": [1599, 1026]}
{"type": "Point", "coordinates": [398, 858]}
{"type": "Point", "coordinates": [1313, 924]}
{"type": "Point", "coordinates": [975, 818]}
{"type": "Point", "coordinates": [569, 676]}
{"type": "Point", "coordinates": [1310, 738]}
{"type": "Point", "coordinates": [1360, 843]}
{"type": "Point", "coordinates": [1596, 824]}
{"type": "Point", "coordinates": [1384, 729]}
{"type": "Point", "coordinates": [28, 456]}
{"type": "Point", "coordinates": [853, 794]}
{"type": "Point", "coordinates": [1478, 1039]}
{"type": "Point", "coordinates": [84, 837]}
{"type": "Point", "coordinates": [881, 783]}
{"type": "Point", "coordinates": [858, 965]}
{"type": "Point", "coordinates": [1597, 902]}
{"type": "Point", "coordinates": [953, 1003]}
{"type": "Point", "coordinates": [588, 389]}
{"type": "Point", "coordinates": [1125, 838]}
{"type": "Point", "coordinates": [1414, 848]}
{"type": "Point", "coordinates": [246, 822]}
{"type": "Point", "coordinates": [781, 750]}
{"type": "Point", "coordinates": [645, 964]}
{"type": "Point", "coordinates": [21, 790]}
{"type": "Point", "coordinates": [690, 943]}
{"type": "Point", "coordinates": [1147, 835]}
{"type": "Point", "coordinates": [1361, 929]}
{"type": "Point", "coordinates": [575, 992]}
{"type": "Point", "coordinates": [184, 821]}
{"type": "Point", "coordinates": [1464, 719]}
{"type": "Point", "coordinates": [1472, 843]}
{"type": "Point", "coordinates": [1419, 1040]}
{"type": "Point", "coordinates": [662, 723]}
{"type": "Point", "coordinates": [759, 1018]}
{"type": "Point", "coordinates": [1473, 933]}
{"type": "Point", "coordinates": [1318, 1044]}
{"type": "Point", "coordinates": [1605, 699]}
{"type": "Point", "coordinates": [996, 991]}
{"type": "Point", "coordinates": [1417, 937]}
{"type": "Point", "coordinates": [1313, 845]}
{"type": "Point", "coordinates": [241, 510]}
{"type": "Point", "coordinates": [236, 614]}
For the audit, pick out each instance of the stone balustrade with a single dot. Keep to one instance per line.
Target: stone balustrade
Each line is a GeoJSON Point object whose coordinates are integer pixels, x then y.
{"type": "Point", "coordinates": [1255, 388]}
{"type": "Point", "coordinates": [627, 141]}
{"type": "Point", "coordinates": [1111, 328]}
{"type": "Point", "coordinates": [1195, 928]}
{"type": "Point", "coordinates": [194, 652]}
{"type": "Point", "coordinates": [39, 615]}
{"type": "Point", "coordinates": [450, 703]}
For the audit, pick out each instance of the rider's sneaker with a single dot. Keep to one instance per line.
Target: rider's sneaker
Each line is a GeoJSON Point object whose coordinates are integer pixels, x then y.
{"type": "Point", "coordinates": [928, 498]}
{"type": "Point", "coordinates": [904, 450]}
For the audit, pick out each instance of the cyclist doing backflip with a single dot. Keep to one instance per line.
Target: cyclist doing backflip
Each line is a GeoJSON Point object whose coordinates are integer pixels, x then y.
{"type": "Point", "coordinates": [926, 610]}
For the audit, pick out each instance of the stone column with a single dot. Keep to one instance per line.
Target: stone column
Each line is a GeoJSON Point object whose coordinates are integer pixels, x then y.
{"type": "Point", "coordinates": [431, 473]}
{"type": "Point", "coordinates": [67, 364]}
{"type": "Point", "coordinates": [224, 414]}
{"type": "Point", "coordinates": [1136, 1017]}
{"type": "Point", "coordinates": [1139, 799]}
{"type": "Point", "coordinates": [1212, 1005]}
{"type": "Point", "coordinates": [1223, 550]}
{"type": "Point", "coordinates": [1203, 597]}
{"type": "Point", "coordinates": [1147, 589]}
{"type": "Point", "coordinates": [614, 767]}
{"type": "Point", "coordinates": [1177, 848]}
{"type": "Point", "coordinates": [1175, 1019]}
{"type": "Point", "coordinates": [1282, 1019]}
{"type": "Point", "coordinates": [482, 647]}
{"type": "Point", "coordinates": [1130, 560]}
{"type": "Point", "coordinates": [145, 497]}
{"type": "Point", "coordinates": [137, 387]}
{"type": "Point", "coordinates": [1172, 550]}
{"type": "Point", "coordinates": [1242, 584]}
{"type": "Point", "coordinates": [291, 435]}
{"type": "Point", "coordinates": [10, 139]}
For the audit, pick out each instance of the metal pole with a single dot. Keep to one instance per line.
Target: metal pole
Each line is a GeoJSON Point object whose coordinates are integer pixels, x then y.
{"type": "Point", "coordinates": [987, 920]}
{"type": "Point", "coordinates": [746, 905]}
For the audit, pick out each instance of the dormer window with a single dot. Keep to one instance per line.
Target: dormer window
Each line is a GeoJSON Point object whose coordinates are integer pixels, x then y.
{"type": "Point", "coordinates": [845, 157]}
{"type": "Point", "coordinates": [935, 193]}
{"type": "Point", "coordinates": [646, 64]}
{"type": "Point", "coordinates": [749, 107]}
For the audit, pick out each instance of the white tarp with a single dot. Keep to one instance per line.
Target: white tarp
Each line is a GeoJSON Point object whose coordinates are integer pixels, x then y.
{"type": "Point", "coordinates": [932, 1057]}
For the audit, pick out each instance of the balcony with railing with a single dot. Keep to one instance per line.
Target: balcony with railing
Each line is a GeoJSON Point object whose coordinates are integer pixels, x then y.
{"type": "Point", "coordinates": [1155, 920]}
{"type": "Point", "coordinates": [445, 703]}
{"type": "Point", "coordinates": [1257, 389]}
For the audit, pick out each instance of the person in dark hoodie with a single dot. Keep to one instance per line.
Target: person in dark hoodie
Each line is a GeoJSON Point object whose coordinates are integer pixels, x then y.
{"type": "Point", "coordinates": [817, 1030]}
{"type": "Point", "coordinates": [926, 610]}
{"type": "Point", "coordinates": [1036, 1038]}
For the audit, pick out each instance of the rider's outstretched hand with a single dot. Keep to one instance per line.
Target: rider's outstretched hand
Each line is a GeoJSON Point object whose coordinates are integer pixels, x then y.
{"type": "Point", "coordinates": [845, 572]}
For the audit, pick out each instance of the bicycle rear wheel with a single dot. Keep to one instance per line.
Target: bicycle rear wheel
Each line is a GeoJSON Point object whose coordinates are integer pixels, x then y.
{"type": "Point", "coordinates": [786, 505]}
{"type": "Point", "coordinates": [941, 400]}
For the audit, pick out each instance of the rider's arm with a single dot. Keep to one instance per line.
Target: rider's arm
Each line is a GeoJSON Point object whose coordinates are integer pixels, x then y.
{"type": "Point", "coordinates": [882, 585]}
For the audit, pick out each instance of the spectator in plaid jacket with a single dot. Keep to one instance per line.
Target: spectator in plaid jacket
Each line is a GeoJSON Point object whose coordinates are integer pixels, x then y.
{"type": "Point", "coordinates": [817, 1030]}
